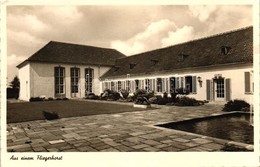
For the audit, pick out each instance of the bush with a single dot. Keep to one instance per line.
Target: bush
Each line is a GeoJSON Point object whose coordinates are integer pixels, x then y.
{"type": "Point", "coordinates": [142, 100]}
{"type": "Point", "coordinates": [50, 115]}
{"type": "Point", "coordinates": [124, 93]}
{"type": "Point", "coordinates": [12, 93]}
{"type": "Point", "coordinates": [93, 97]}
{"type": "Point", "coordinates": [143, 93]}
{"type": "Point", "coordinates": [186, 101]}
{"type": "Point", "coordinates": [179, 91]}
{"type": "Point", "coordinates": [32, 99]}
{"type": "Point", "coordinates": [130, 99]}
{"type": "Point", "coordinates": [162, 101]}
{"type": "Point", "coordinates": [50, 99]}
{"type": "Point", "coordinates": [110, 95]}
{"type": "Point", "coordinates": [236, 105]}
{"type": "Point", "coordinates": [65, 98]}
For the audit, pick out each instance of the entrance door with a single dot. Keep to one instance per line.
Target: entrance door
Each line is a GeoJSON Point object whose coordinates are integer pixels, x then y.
{"type": "Point", "coordinates": [219, 90]}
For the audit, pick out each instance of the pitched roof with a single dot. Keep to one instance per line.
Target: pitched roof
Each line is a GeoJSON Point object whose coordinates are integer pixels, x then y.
{"type": "Point", "coordinates": [197, 53]}
{"type": "Point", "coordinates": [59, 52]}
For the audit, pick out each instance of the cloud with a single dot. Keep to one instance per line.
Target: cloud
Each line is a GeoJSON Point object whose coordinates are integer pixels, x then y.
{"type": "Point", "coordinates": [27, 22]}
{"type": "Point", "coordinates": [146, 40]}
{"type": "Point", "coordinates": [229, 18]}
{"type": "Point", "coordinates": [24, 38]}
{"type": "Point", "coordinates": [14, 60]}
{"type": "Point", "coordinates": [202, 12]}
{"type": "Point", "coordinates": [183, 34]}
{"type": "Point", "coordinates": [62, 15]}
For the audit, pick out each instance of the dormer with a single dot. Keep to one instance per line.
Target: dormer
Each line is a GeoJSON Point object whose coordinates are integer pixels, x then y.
{"type": "Point", "coordinates": [154, 61]}
{"type": "Point", "coordinates": [225, 50]}
{"type": "Point", "coordinates": [182, 57]}
{"type": "Point", "coordinates": [132, 65]}
{"type": "Point", "coordinates": [116, 68]}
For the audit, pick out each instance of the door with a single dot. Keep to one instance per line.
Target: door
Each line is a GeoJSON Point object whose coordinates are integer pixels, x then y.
{"type": "Point", "coordinates": [219, 90]}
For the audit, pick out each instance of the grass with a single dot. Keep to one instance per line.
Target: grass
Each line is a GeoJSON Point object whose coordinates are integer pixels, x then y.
{"type": "Point", "coordinates": [30, 111]}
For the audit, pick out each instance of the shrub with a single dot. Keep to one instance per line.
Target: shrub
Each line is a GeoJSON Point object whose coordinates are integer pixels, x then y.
{"type": "Point", "coordinates": [110, 95]}
{"type": "Point", "coordinates": [130, 99]}
{"type": "Point", "coordinates": [143, 93]}
{"type": "Point", "coordinates": [50, 99]}
{"type": "Point", "coordinates": [124, 93]}
{"type": "Point", "coordinates": [179, 91]}
{"type": "Point", "coordinates": [236, 105]}
{"type": "Point", "coordinates": [65, 98]}
{"type": "Point", "coordinates": [142, 100]}
{"type": "Point", "coordinates": [32, 99]}
{"type": "Point", "coordinates": [93, 97]}
{"type": "Point", "coordinates": [187, 101]}
{"type": "Point", "coordinates": [155, 99]}
{"type": "Point", "coordinates": [162, 101]}
{"type": "Point", "coordinates": [12, 93]}
{"type": "Point", "coordinates": [50, 115]}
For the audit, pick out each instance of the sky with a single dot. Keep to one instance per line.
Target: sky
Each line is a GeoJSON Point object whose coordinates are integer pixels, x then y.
{"type": "Point", "coordinates": [129, 29]}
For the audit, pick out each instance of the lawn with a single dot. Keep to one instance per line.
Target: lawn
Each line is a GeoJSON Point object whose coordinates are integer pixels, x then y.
{"type": "Point", "coordinates": [29, 111]}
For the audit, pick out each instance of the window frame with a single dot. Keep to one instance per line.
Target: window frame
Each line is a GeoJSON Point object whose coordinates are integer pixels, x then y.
{"type": "Point", "coordinates": [58, 77]}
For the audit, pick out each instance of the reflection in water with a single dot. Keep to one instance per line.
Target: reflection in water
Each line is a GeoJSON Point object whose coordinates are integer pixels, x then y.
{"type": "Point", "coordinates": [233, 127]}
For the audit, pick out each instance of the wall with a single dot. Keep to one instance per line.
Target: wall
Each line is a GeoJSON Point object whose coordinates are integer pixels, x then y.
{"type": "Point", "coordinates": [236, 74]}
{"type": "Point", "coordinates": [42, 79]}
{"type": "Point", "coordinates": [24, 77]}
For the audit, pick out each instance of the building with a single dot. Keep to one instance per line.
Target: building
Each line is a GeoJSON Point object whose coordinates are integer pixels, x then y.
{"type": "Point", "coordinates": [215, 68]}
{"type": "Point", "coordinates": [65, 70]}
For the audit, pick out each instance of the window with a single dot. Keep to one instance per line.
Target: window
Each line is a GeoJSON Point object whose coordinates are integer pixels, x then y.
{"type": "Point", "coordinates": [136, 84]}
{"type": "Point", "coordinates": [147, 85]}
{"type": "Point", "coordinates": [59, 73]}
{"type": "Point", "coordinates": [74, 75]}
{"type": "Point", "coordinates": [119, 84]}
{"type": "Point", "coordinates": [190, 84]}
{"type": "Point", "coordinates": [127, 86]}
{"type": "Point", "coordinates": [112, 86]}
{"type": "Point", "coordinates": [106, 85]}
{"type": "Point", "coordinates": [89, 72]}
{"type": "Point", "coordinates": [172, 84]}
{"type": "Point", "coordinates": [159, 84]}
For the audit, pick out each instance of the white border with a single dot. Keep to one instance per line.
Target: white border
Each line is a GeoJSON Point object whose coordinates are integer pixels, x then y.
{"type": "Point", "coordinates": [133, 159]}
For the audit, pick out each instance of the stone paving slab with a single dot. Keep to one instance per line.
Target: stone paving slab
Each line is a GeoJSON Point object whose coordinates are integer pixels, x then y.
{"type": "Point", "coordinates": [124, 132]}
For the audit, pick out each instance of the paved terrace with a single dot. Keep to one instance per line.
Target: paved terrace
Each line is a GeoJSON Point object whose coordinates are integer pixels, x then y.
{"type": "Point", "coordinates": [126, 132]}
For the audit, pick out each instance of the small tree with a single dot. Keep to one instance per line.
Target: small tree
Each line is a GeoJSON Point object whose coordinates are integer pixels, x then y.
{"type": "Point", "coordinates": [14, 91]}
{"type": "Point", "coordinates": [15, 83]}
